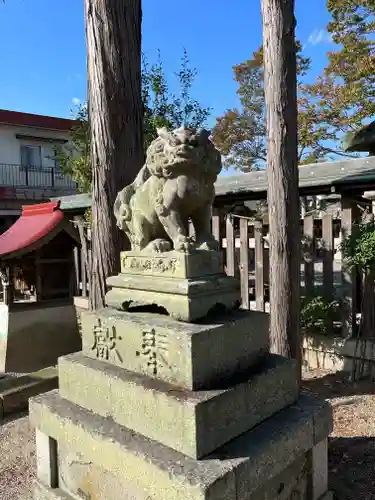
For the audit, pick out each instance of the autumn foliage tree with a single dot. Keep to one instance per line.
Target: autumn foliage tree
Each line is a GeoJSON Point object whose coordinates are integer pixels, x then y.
{"type": "Point", "coordinates": [340, 100]}
{"type": "Point", "coordinates": [240, 134]}
{"type": "Point", "coordinates": [343, 97]}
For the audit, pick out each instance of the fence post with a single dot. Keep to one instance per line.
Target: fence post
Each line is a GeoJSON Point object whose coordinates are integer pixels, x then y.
{"type": "Point", "coordinates": [216, 226]}
{"type": "Point", "coordinates": [230, 245]}
{"type": "Point", "coordinates": [349, 214]}
{"type": "Point", "coordinates": [259, 265]}
{"type": "Point", "coordinates": [244, 262]}
{"type": "Point", "coordinates": [52, 177]}
{"type": "Point", "coordinates": [308, 253]}
{"type": "Point", "coordinates": [76, 270]}
{"type": "Point", "coordinates": [328, 242]}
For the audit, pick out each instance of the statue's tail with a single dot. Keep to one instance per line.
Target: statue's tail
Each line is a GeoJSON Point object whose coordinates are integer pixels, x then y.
{"type": "Point", "coordinates": [122, 209]}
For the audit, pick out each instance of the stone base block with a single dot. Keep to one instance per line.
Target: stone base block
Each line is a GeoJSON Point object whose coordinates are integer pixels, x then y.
{"type": "Point", "coordinates": [192, 356]}
{"type": "Point", "coordinates": [15, 392]}
{"type": "Point", "coordinates": [187, 286]}
{"type": "Point", "coordinates": [89, 446]}
{"type": "Point", "coordinates": [33, 335]}
{"type": "Point", "coordinates": [184, 300]}
{"type": "Point", "coordinates": [173, 264]}
{"type": "Point", "coordinates": [194, 423]}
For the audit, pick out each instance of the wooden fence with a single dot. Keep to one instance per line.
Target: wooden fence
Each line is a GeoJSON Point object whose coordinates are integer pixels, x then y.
{"type": "Point", "coordinates": [245, 246]}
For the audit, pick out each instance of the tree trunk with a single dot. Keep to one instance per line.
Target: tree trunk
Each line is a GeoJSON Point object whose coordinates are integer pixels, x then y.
{"type": "Point", "coordinates": [282, 169]}
{"type": "Point", "coordinates": [113, 36]}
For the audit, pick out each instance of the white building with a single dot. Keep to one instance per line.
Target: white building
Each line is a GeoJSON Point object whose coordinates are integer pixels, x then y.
{"type": "Point", "coordinates": [29, 172]}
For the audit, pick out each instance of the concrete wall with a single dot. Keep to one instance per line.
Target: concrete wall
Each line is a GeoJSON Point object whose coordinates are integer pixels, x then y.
{"type": "Point", "coordinates": [37, 334]}
{"type": "Point", "coordinates": [337, 354]}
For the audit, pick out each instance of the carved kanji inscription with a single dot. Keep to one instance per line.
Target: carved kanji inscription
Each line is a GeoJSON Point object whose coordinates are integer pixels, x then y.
{"type": "Point", "coordinates": [105, 338]}
{"type": "Point", "coordinates": [154, 350]}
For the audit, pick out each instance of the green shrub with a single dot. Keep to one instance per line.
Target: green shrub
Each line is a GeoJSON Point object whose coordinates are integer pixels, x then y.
{"type": "Point", "coordinates": [358, 248]}
{"type": "Point", "coordinates": [318, 313]}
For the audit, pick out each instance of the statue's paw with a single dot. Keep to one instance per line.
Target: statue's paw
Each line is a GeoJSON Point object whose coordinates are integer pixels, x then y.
{"type": "Point", "coordinates": [122, 224]}
{"type": "Point", "coordinates": [126, 213]}
{"type": "Point", "coordinates": [209, 245]}
{"type": "Point", "coordinates": [158, 246]}
{"type": "Point", "coordinates": [183, 244]}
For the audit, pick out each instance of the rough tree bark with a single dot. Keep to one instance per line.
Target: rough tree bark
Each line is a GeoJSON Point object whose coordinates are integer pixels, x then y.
{"type": "Point", "coordinates": [113, 37]}
{"type": "Point", "coordinates": [283, 201]}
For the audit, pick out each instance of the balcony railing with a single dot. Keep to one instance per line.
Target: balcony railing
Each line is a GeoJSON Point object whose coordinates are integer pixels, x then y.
{"type": "Point", "coordinates": [19, 176]}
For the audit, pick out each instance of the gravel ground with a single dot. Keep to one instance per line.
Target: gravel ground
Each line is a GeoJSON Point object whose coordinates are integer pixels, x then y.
{"type": "Point", "coordinates": [17, 463]}
{"type": "Point", "coordinates": [351, 458]}
{"type": "Point", "coordinates": [351, 444]}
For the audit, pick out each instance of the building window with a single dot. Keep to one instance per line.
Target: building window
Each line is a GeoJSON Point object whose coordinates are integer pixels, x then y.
{"type": "Point", "coordinates": [57, 165]}
{"type": "Point", "coordinates": [31, 156]}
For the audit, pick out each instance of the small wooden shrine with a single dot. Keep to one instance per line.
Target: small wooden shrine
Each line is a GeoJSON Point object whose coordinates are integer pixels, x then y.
{"type": "Point", "coordinates": [37, 316]}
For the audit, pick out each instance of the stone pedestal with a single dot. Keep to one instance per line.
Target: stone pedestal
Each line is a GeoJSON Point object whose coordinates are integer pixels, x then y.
{"type": "Point", "coordinates": [187, 286]}
{"type": "Point", "coordinates": [154, 408]}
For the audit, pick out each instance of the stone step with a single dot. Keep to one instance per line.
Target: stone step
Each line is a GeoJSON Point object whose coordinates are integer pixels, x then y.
{"type": "Point", "coordinates": [237, 471]}
{"type": "Point", "coordinates": [15, 391]}
{"type": "Point", "coordinates": [192, 356]}
{"type": "Point", "coordinates": [194, 423]}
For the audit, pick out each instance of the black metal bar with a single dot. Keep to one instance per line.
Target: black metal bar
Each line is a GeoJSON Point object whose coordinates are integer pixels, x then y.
{"type": "Point", "coordinates": [19, 176]}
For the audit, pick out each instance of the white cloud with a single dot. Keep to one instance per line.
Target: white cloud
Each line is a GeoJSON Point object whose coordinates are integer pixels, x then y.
{"type": "Point", "coordinates": [76, 101]}
{"type": "Point", "coordinates": [319, 36]}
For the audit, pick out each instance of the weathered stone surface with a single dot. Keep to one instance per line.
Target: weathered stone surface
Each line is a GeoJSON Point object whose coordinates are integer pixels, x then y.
{"type": "Point", "coordinates": [193, 356]}
{"type": "Point", "coordinates": [85, 479]}
{"type": "Point", "coordinates": [175, 185]}
{"type": "Point", "coordinates": [291, 484]}
{"type": "Point", "coordinates": [319, 464]}
{"type": "Point", "coordinates": [217, 284]}
{"type": "Point", "coordinates": [46, 459]}
{"type": "Point", "coordinates": [184, 300]}
{"type": "Point", "coordinates": [42, 492]}
{"type": "Point", "coordinates": [195, 264]}
{"type": "Point", "coordinates": [233, 472]}
{"type": "Point", "coordinates": [323, 425]}
{"type": "Point", "coordinates": [194, 423]}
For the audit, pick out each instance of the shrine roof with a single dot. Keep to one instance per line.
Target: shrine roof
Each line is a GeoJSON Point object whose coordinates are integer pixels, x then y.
{"type": "Point", "coordinates": [37, 225]}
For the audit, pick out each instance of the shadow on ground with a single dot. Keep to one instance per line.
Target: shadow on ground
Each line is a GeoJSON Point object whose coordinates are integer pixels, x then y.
{"type": "Point", "coordinates": [352, 468]}
{"type": "Point", "coordinates": [335, 385]}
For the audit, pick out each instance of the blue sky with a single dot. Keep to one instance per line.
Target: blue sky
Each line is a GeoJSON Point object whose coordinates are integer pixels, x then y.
{"type": "Point", "coordinates": [42, 47]}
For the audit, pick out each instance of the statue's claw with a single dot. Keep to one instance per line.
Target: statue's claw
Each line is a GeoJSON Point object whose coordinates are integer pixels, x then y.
{"type": "Point", "coordinates": [183, 244]}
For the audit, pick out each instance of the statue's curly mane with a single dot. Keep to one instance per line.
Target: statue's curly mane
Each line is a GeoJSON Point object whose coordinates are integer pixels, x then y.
{"type": "Point", "coordinates": [183, 151]}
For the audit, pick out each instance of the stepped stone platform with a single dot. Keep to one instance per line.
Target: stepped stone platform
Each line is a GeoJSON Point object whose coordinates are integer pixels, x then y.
{"type": "Point", "coordinates": [155, 408]}
{"type": "Point", "coordinates": [191, 285]}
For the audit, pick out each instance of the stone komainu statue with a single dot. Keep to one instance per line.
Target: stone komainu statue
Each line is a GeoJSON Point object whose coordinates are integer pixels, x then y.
{"type": "Point", "coordinates": [175, 185]}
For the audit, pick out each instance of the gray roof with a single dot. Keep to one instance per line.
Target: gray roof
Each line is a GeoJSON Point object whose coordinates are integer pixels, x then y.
{"type": "Point", "coordinates": [311, 177]}
{"type": "Point", "coordinates": [74, 202]}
